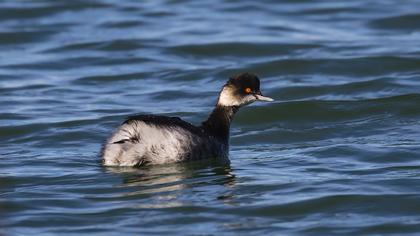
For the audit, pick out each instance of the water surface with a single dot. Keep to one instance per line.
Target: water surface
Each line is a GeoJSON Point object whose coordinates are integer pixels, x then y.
{"type": "Point", "coordinates": [336, 153]}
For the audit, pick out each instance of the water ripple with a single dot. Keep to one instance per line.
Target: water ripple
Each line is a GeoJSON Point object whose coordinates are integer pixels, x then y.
{"type": "Point", "coordinates": [335, 154]}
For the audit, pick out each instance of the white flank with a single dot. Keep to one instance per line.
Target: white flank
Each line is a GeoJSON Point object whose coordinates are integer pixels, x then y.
{"type": "Point", "coordinates": [158, 144]}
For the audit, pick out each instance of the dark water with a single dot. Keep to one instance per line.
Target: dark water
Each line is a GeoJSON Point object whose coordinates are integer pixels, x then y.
{"type": "Point", "coordinates": [337, 153]}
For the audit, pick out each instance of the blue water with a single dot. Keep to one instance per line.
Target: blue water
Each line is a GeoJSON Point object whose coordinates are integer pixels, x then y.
{"type": "Point", "coordinates": [337, 153]}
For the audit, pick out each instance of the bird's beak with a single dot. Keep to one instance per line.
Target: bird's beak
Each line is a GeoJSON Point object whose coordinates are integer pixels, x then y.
{"type": "Point", "coordinates": [260, 97]}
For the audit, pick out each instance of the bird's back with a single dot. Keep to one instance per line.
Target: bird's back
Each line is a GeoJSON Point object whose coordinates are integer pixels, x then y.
{"type": "Point", "coordinates": [149, 139]}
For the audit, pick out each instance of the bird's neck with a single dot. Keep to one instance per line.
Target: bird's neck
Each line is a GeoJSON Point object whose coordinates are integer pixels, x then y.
{"type": "Point", "coordinates": [218, 123]}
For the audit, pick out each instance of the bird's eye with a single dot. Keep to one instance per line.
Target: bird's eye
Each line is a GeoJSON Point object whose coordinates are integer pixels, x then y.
{"type": "Point", "coordinates": [248, 90]}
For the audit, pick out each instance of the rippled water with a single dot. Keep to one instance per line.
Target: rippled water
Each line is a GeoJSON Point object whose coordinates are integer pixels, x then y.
{"type": "Point", "coordinates": [337, 153]}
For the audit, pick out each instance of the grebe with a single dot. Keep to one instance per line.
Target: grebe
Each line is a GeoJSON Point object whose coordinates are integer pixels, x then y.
{"type": "Point", "coordinates": [149, 139]}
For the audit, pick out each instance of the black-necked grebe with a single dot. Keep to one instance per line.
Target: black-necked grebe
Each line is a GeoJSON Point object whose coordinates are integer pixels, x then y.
{"type": "Point", "coordinates": [149, 139]}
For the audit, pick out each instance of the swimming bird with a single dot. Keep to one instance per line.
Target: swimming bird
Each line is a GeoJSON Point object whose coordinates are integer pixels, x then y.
{"type": "Point", "coordinates": [151, 139]}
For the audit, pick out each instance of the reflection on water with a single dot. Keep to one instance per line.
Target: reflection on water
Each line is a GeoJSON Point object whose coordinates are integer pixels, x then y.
{"type": "Point", "coordinates": [164, 184]}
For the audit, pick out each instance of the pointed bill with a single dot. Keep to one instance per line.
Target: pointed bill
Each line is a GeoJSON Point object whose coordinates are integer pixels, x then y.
{"type": "Point", "coordinates": [264, 98]}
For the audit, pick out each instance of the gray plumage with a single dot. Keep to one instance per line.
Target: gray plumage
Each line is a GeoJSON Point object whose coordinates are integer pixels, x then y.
{"type": "Point", "coordinates": [148, 140]}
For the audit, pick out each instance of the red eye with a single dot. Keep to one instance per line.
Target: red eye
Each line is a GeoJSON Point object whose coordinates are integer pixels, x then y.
{"type": "Point", "coordinates": [248, 90]}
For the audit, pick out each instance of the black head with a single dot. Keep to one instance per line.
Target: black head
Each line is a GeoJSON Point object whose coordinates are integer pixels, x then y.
{"type": "Point", "coordinates": [241, 90]}
{"type": "Point", "coordinates": [245, 83]}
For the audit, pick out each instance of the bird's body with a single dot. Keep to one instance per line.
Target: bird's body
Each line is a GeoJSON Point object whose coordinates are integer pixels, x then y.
{"type": "Point", "coordinates": [149, 139]}
{"type": "Point", "coordinates": [145, 140]}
